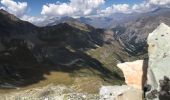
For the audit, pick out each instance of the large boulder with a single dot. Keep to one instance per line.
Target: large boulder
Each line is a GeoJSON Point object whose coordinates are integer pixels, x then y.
{"type": "Point", "coordinates": [159, 59]}
{"type": "Point", "coordinates": [134, 73]}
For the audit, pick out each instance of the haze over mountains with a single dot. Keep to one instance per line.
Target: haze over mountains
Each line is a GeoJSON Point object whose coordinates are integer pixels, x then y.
{"type": "Point", "coordinates": [108, 21]}
{"type": "Point", "coordinates": [81, 47]}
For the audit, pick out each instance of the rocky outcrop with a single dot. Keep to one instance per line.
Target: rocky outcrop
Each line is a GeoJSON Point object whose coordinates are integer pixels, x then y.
{"type": "Point", "coordinates": [159, 57]}
{"type": "Point", "coordinates": [134, 73]}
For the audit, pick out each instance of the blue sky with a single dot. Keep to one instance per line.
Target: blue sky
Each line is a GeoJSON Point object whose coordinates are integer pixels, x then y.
{"type": "Point", "coordinates": [35, 6]}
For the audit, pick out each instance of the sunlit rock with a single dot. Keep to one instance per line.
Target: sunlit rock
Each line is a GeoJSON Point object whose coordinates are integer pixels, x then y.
{"type": "Point", "coordinates": [134, 73]}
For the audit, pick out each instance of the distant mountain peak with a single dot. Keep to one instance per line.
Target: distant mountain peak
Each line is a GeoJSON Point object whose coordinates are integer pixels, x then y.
{"type": "Point", "coordinates": [3, 11]}
{"type": "Point", "coordinates": [8, 15]}
{"type": "Point", "coordinates": [159, 9]}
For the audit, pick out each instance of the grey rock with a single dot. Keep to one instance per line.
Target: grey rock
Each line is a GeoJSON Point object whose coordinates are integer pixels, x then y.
{"type": "Point", "coordinates": [159, 56]}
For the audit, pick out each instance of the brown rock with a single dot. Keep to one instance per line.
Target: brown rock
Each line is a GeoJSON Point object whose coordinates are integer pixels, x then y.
{"type": "Point", "coordinates": [134, 73]}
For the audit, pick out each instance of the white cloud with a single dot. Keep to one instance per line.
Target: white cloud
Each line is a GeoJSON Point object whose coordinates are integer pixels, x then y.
{"type": "Point", "coordinates": [159, 2]}
{"type": "Point", "coordinates": [86, 7]}
{"type": "Point", "coordinates": [16, 8]}
{"type": "Point", "coordinates": [116, 8]}
{"type": "Point", "coordinates": [20, 9]}
{"type": "Point", "coordinates": [145, 6]}
{"type": "Point", "coordinates": [2, 7]}
{"type": "Point", "coordinates": [34, 20]}
{"type": "Point", "coordinates": [121, 8]}
{"type": "Point", "coordinates": [57, 9]}
{"type": "Point", "coordinates": [73, 8]}
{"type": "Point", "coordinates": [149, 5]}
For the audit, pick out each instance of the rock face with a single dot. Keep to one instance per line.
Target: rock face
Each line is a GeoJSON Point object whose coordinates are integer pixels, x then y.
{"type": "Point", "coordinates": [134, 73]}
{"type": "Point", "coordinates": [120, 93]}
{"type": "Point", "coordinates": [159, 57]}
